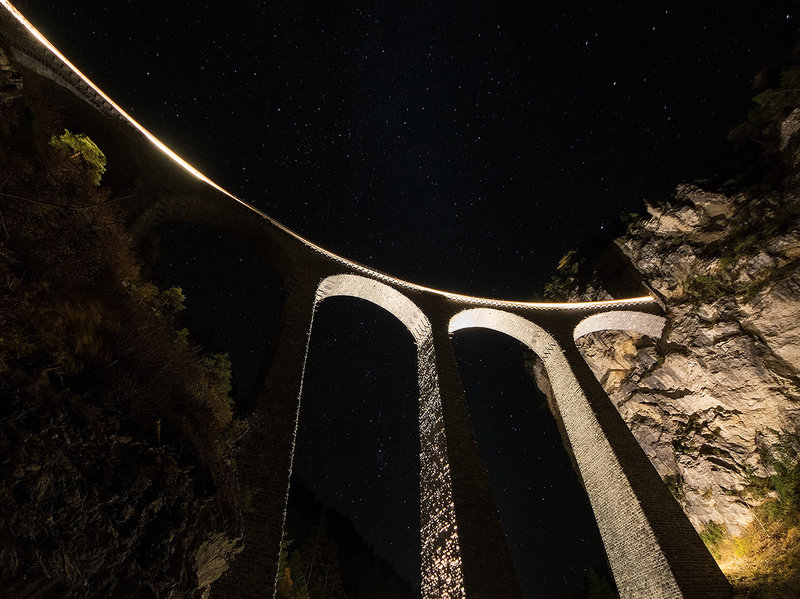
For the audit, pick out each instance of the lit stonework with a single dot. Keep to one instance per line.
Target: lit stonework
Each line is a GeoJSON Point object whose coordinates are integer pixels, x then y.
{"type": "Point", "coordinates": [636, 555]}
{"type": "Point", "coordinates": [441, 562]}
{"type": "Point", "coordinates": [441, 558]}
{"type": "Point", "coordinates": [616, 320]}
{"type": "Point", "coordinates": [618, 513]}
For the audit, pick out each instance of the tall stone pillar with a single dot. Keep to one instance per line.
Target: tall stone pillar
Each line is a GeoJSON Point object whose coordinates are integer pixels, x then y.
{"type": "Point", "coordinates": [654, 551]}
{"type": "Point", "coordinates": [486, 562]}
{"type": "Point", "coordinates": [265, 460]}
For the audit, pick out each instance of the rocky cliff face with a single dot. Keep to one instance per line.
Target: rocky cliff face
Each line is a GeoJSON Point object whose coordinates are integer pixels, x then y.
{"type": "Point", "coordinates": [711, 398]}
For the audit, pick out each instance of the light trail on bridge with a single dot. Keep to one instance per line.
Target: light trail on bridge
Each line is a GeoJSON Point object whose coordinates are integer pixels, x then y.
{"type": "Point", "coordinates": [182, 163]}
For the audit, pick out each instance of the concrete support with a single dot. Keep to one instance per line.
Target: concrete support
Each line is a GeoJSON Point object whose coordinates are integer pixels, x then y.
{"type": "Point", "coordinates": [265, 461]}
{"type": "Point", "coordinates": [486, 561]}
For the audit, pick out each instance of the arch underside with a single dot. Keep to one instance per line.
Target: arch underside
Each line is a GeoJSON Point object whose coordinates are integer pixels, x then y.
{"type": "Point", "coordinates": [441, 569]}
{"type": "Point", "coordinates": [621, 320]}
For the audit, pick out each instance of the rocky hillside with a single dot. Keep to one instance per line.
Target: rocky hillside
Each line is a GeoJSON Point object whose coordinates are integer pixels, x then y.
{"type": "Point", "coordinates": [715, 403]}
{"type": "Point", "coordinates": [720, 387]}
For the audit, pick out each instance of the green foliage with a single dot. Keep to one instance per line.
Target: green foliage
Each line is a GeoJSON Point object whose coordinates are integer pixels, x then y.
{"type": "Point", "coordinates": [705, 289]}
{"type": "Point", "coordinates": [291, 583]}
{"type": "Point", "coordinates": [713, 534]}
{"type": "Point", "coordinates": [217, 371]}
{"type": "Point", "coordinates": [674, 483]}
{"type": "Point", "coordinates": [771, 106]}
{"type": "Point", "coordinates": [78, 146]}
{"type": "Point", "coordinates": [757, 486]}
{"type": "Point", "coordinates": [776, 103]}
{"type": "Point", "coordinates": [784, 459]}
{"type": "Point", "coordinates": [74, 335]}
{"type": "Point", "coordinates": [755, 226]}
{"type": "Point", "coordinates": [215, 387]}
{"type": "Point", "coordinates": [313, 571]}
{"type": "Point", "coordinates": [681, 440]}
{"type": "Point", "coordinates": [171, 302]}
{"type": "Point", "coordinates": [78, 318]}
{"type": "Point", "coordinates": [569, 263]}
{"type": "Point", "coordinates": [753, 288]}
{"type": "Point", "coordinates": [558, 288]}
{"type": "Point", "coordinates": [166, 304]}
{"type": "Point", "coordinates": [631, 220]}
{"type": "Point", "coordinates": [561, 284]}
{"type": "Point", "coordinates": [90, 359]}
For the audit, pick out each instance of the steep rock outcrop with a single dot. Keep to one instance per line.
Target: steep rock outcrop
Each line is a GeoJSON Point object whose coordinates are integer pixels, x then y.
{"type": "Point", "coordinates": [709, 399]}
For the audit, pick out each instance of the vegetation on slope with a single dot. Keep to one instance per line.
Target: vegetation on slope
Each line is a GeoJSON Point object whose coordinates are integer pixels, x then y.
{"type": "Point", "coordinates": [117, 430]}
{"type": "Point", "coordinates": [764, 561]}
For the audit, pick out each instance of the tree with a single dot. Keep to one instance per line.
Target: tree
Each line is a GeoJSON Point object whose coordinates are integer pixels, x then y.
{"type": "Point", "coordinates": [291, 583]}
{"type": "Point", "coordinates": [79, 146]}
{"type": "Point", "coordinates": [323, 570]}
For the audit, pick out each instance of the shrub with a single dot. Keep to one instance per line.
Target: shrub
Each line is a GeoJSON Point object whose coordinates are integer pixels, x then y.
{"type": "Point", "coordinates": [784, 459]}
{"type": "Point", "coordinates": [563, 282]}
{"type": "Point", "coordinates": [705, 289]}
{"type": "Point", "coordinates": [674, 483]}
{"type": "Point", "coordinates": [713, 534]}
{"type": "Point", "coordinates": [79, 146]}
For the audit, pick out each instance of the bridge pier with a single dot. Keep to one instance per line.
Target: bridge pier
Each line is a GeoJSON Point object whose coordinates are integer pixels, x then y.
{"type": "Point", "coordinates": [653, 549]}
{"type": "Point", "coordinates": [265, 461]}
{"type": "Point", "coordinates": [486, 561]}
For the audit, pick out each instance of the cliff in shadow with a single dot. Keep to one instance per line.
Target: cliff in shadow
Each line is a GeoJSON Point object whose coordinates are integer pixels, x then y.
{"type": "Point", "coordinates": [116, 427]}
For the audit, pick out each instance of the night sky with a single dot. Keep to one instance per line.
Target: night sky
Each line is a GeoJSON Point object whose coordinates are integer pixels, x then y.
{"type": "Point", "coordinates": [461, 146]}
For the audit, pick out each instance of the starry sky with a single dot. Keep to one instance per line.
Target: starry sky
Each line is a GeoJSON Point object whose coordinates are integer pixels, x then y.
{"type": "Point", "coordinates": [465, 146]}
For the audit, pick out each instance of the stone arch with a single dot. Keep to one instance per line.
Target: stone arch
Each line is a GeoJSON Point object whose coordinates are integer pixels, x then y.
{"type": "Point", "coordinates": [441, 572]}
{"type": "Point", "coordinates": [621, 320]}
{"type": "Point", "coordinates": [618, 326]}
{"type": "Point", "coordinates": [380, 294]}
{"type": "Point", "coordinates": [646, 535]}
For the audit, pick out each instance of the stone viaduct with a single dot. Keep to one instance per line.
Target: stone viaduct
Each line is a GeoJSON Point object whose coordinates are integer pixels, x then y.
{"type": "Point", "coordinates": [653, 550]}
